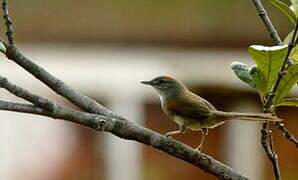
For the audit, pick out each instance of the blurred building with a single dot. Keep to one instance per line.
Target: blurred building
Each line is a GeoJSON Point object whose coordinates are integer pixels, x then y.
{"type": "Point", "coordinates": [103, 49]}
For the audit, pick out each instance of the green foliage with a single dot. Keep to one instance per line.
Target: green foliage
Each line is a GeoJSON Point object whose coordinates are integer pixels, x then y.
{"type": "Point", "coordinates": [294, 52]}
{"type": "Point", "coordinates": [242, 72]}
{"type": "Point", "coordinates": [294, 6]}
{"type": "Point", "coordinates": [289, 12]}
{"type": "Point", "coordinates": [264, 75]}
{"type": "Point", "coordinates": [291, 101]}
{"type": "Point", "coordinates": [268, 60]}
{"type": "Point", "coordinates": [258, 78]}
{"type": "Point", "coordinates": [2, 48]}
{"type": "Point", "coordinates": [288, 81]}
{"type": "Point", "coordinates": [288, 38]}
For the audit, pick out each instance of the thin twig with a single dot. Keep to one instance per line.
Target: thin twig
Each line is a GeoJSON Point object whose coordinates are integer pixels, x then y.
{"type": "Point", "coordinates": [64, 114]}
{"type": "Point", "coordinates": [286, 133]}
{"type": "Point", "coordinates": [267, 22]}
{"type": "Point", "coordinates": [266, 139]}
{"type": "Point", "coordinates": [282, 70]}
{"type": "Point", "coordinates": [24, 94]}
{"type": "Point", "coordinates": [268, 105]}
{"type": "Point", "coordinates": [24, 108]}
{"type": "Point", "coordinates": [8, 23]}
{"type": "Point", "coordinates": [277, 41]}
{"type": "Point", "coordinates": [269, 26]}
{"type": "Point", "coordinates": [274, 35]}
{"type": "Point", "coordinates": [267, 143]}
{"type": "Point", "coordinates": [50, 108]}
{"type": "Point", "coordinates": [274, 157]}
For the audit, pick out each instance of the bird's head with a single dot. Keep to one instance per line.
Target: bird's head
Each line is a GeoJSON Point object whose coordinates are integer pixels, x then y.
{"type": "Point", "coordinates": [165, 85]}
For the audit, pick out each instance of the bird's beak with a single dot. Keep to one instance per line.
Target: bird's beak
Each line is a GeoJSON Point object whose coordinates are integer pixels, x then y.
{"type": "Point", "coordinates": [147, 83]}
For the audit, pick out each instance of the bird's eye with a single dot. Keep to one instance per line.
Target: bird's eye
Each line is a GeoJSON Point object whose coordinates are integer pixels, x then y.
{"type": "Point", "coordinates": [161, 81]}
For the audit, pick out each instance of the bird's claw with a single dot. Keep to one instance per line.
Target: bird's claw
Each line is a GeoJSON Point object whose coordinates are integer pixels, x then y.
{"type": "Point", "coordinates": [199, 148]}
{"type": "Point", "coordinates": [168, 136]}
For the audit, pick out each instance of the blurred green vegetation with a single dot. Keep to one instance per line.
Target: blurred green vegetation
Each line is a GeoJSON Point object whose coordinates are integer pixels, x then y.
{"type": "Point", "coordinates": [199, 22]}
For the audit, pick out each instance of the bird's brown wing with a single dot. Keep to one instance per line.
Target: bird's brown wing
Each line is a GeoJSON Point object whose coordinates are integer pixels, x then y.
{"type": "Point", "coordinates": [202, 101]}
{"type": "Point", "coordinates": [191, 106]}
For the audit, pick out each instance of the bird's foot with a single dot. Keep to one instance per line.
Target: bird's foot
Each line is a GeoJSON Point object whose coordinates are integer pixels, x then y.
{"type": "Point", "coordinates": [168, 135]}
{"type": "Point", "coordinates": [199, 148]}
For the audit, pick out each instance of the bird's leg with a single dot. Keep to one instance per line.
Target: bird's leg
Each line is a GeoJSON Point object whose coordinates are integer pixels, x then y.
{"type": "Point", "coordinates": [204, 132]}
{"type": "Point", "coordinates": [182, 129]}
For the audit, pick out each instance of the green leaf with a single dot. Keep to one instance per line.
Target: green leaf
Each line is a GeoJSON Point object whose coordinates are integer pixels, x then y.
{"type": "Point", "coordinates": [291, 101]}
{"type": "Point", "coordinates": [242, 72]}
{"type": "Point", "coordinates": [258, 77]}
{"type": "Point", "coordinates": [288, 81]}
{"type": "Point", "coordinates": [294, 2]}
{"type": "Point", "coordinates": [268, 60]}
{"type": "Point", "coordinates": [294, 52]}
{"type": "Point", "coordinates": [2, 48]}
{"type": "Point", "coordinates": [285, 9]}
{"type": "Point", "coordinates": [289, 37]}
{"type": "Point", "coordinates": [294, 7]}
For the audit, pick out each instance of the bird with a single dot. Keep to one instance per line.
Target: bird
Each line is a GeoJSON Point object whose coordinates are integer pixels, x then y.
{"type": "Point", "coordinates": [192, 112]}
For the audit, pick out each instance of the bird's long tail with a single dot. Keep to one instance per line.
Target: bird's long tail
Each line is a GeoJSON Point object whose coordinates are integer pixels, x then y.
{"type": "Point", "coordinates": [246, 116]}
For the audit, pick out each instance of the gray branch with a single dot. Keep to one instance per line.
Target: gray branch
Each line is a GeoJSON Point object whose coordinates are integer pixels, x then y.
{"type": "Point", "coordinates": [85, 103]}
{"type": "Point", "coordinates": [131, 131]}
{"type": "Point", "coordinates": [267, 22]}
{"type": "Point", "coordinates": [118, 126]}
{"type": "Point", "coordinates": [269, 26]}
{"type": "Point", "coordinates": [8, 23]}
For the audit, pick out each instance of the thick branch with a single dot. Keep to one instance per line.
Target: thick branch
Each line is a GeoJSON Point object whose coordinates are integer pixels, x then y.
{"type": "Point", "coordinates": [118, 126]}
{"type": "Point", "coordinates": [131, 131]}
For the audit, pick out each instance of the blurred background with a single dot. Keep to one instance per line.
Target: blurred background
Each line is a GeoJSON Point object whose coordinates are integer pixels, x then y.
{"type": "Point", "coordinates": [104, 48]}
